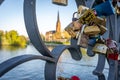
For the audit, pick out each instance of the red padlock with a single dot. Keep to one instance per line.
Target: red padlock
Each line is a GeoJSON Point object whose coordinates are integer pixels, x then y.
{"type": "Point", "coordinates": [111, 43]}
{"type": "Point", "coordinates": [75, 78]}
{"type": "Point", "coordinates": [112, 52]}
{"type": "Point", "coordinates": [113, 56]}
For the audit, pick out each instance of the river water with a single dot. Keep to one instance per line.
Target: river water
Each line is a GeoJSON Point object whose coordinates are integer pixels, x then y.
{"type": "Point", "coordinates": [34, 70]}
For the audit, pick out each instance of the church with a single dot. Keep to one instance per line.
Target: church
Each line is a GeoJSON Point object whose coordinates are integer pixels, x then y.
{"type": "Point", "coordinates": [57, 35]}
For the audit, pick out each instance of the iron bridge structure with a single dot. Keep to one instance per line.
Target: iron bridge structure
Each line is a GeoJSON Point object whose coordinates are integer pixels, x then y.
{"type": "Point", "coordinates": [51, 57]}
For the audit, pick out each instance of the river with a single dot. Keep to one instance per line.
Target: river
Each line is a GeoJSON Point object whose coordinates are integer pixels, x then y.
{"type": "Point", "coordinates": [34, 70]}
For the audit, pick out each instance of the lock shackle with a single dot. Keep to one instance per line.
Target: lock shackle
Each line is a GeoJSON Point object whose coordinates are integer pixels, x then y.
{"type": "Point", "coordinates": [73, 18]}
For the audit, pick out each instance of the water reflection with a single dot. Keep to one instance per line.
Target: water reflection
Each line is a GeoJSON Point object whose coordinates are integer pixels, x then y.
{"type": "Point", "coordinates": [11, 48]}
{"type": "Point", "coordinates": [34, 70]}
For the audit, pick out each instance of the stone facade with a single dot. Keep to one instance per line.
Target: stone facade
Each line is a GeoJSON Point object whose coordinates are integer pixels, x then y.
{"type": "Point", "coordinates": [57, 35]}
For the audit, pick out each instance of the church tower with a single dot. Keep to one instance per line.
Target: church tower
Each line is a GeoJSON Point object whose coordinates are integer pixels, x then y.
{"type": "Point", "coordinates": [58, 24]}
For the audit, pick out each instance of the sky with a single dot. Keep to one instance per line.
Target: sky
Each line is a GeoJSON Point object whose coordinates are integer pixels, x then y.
{"type": "Point", "coordinates": [11, 15]}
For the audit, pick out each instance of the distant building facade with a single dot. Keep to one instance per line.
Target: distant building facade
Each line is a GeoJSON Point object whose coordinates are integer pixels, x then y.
{"type": "Point", "coordinates": [57, 35]}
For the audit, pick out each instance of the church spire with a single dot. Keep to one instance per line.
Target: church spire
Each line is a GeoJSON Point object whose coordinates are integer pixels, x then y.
{"type": "Point", "coordinates": [58, 19]}
{"type": "Point", "coordinates": [58, 24]}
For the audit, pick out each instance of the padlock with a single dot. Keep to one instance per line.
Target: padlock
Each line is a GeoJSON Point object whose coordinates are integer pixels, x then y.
{"type": "Point", "coordinates": [118, 10]}
{"type": "Point", "coordinates": [76, 25]}
{"type": "Point", "coordinates": [100, 21]}
{"type": "Point", "coordinates": [118, 7]}
{"type": "Point", "coordinates": [73, 17]}
{"type": "Point", "coordinates": [60, 78]}
{"type": "Point", "coordinates": [103, 29]}
{"type": "Point", "coordinates": [82, 38]}
{"type": "Point", "coordinates": [100, 47]}
{"type": "Point", "coordinates": [112, 52]}
{"type": "Point", "coordinates": [92, 30]}
{"type": "Point", "coordinates": [113, 56]}
{"type": "Point", "coordinates": [111, 43]}
{"type": "Point", "coordinates": [105, 9]}
{"type": "Point", "coordinates": [83, 41]}
{"type": "Point", "coordinates": [60, 2]}
{"type": "Point", "coordinates": [87, 17]}
{"type": "Point", "coordinates": [70, 30]}
{"type": "Point", "coordinates": [81, 10]}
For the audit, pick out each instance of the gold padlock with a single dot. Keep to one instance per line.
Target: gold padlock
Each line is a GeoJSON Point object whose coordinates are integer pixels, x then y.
{"type": "Point", "coordinates": [87, 17]}
{"type": "Point", "coordinates": [92, 30]}
{"type": "Point", "coordinates": [81, 10]}
{"type": "Point", "coordinates": [60, 2]}
{"type": "Point", "coordinates": [70, 30]}
{"type": "Point", "coordinates": [103, 29]}
{"type": "Point", "coordinates": [100, 48]}
{"type": "Point", "coordinates": [76, 25]}
{"type": "Point", "coordinates": [100, 21]}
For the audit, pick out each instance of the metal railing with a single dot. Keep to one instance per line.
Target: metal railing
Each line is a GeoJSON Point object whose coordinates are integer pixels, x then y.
{"type": "Point", "coordinates": [51, 57]}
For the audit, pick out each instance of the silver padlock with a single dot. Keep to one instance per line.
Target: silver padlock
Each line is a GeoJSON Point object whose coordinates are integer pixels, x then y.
{"type": "Point", "coordinates": [75, 22]}
{"type": "Point", "coordinates": [60, 2]}
{"type": "Point", "coordinates": [82, 38]}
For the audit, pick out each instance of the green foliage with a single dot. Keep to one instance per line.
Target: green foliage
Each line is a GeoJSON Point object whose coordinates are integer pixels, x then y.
{"type": "Point", "coordinates": [1, 34]}
{"type": "Point", "coordinates": [42, 36]}
{"type": "Point", "coordinates": [53, 42]}
{"type": "Point", "coordinates": [12, 38]}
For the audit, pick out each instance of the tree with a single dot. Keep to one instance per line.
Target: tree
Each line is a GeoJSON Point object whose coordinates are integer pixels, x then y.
{"type": "Point", "coordinates": [12, 38]}
{"type": "Point", "coordinates": [22, 41]}
{"type": "Point", "coordinates": [1, 35]}
{"type": "Point", "coordinates": [42, 36]}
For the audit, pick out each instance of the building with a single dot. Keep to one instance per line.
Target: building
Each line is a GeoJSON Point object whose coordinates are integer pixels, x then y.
{"type": "Point", "coordinates": [57, 35]}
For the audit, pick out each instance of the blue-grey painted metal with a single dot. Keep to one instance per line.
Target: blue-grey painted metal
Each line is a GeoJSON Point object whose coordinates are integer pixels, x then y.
{"type": "Point", "coordinates": [50, 68]}
{"type": "Point", "coordinates": [89, 51]}
{"type": "Point", "coordinates": [113, 75]}
{"type": "Point", "coordinates": [74, 44]}
{"type": "Point", "coordinates": [13, 62]}
{"type": "Point", "coordinates": [57, 51]}
{"type": "Point", "coordinates": [32, 27]}
{"type": "Point", "coordinates": [118, 70]}
{"type": "Point", "coordinates": [52, 57]}
{"type": "Point", "coordinates": [1, 1]}
{"type": "Point", "coordinates": [80, 2]}
{"type": "Point", "coordinates": [100, 67]}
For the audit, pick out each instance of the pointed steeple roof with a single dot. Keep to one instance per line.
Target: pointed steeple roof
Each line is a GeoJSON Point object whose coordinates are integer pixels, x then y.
{"type": "Point", "coordinates": [58, 24]}
{"type": "Point", "coordinates": [58, 19]}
